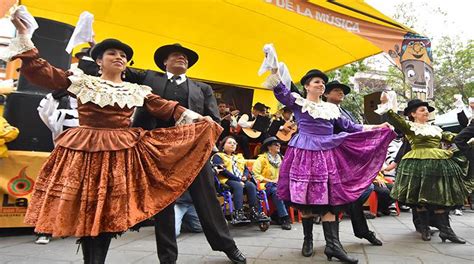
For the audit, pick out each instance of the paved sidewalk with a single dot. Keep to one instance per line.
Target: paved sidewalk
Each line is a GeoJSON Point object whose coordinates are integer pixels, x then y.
{"type": "Point", "coordinates": [401, 245]}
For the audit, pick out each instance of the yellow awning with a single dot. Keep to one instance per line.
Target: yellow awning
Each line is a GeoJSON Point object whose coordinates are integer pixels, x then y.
{"type": "Point", "coordinates": [228, 35]}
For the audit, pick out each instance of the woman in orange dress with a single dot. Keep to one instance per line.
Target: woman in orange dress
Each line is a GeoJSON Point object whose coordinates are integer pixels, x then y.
{"type": "Point", "coordinates": [103, 177]}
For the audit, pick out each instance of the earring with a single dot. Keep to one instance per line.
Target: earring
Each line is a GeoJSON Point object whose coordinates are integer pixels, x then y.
{"type": "Point", "coordinates": [123, 75]}
{"type": "Point", "coordinates": [100, 70]}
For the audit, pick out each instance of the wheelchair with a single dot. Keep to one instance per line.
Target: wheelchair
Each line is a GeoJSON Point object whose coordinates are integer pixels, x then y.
{"type": "Point", "coordinates": [224, 191]}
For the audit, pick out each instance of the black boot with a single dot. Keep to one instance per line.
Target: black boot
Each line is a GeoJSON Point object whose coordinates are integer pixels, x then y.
{"type": "Point", "coordinates": [333, 245]}
{"type": "Point", "coordinates": [424, 225]}
{"type": "Point", "coordinates": [307, 249]}
{"type": "Point", "coordinates": [285, 223]}
{"type": "Point", "coordinates": [370, 236]}
{"type": "Point", "coordinates": [236, 256]}
{"type": "Point", "coordinates": [445, 230]}
{"type": "Point", "coordinates": [95, 249]}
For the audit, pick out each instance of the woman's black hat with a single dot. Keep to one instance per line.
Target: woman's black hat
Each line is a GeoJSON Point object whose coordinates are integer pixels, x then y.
{"type": "Point", "coordinates": [314, 73]}
{"type": "Point", "coordinates": [414, 104]}
{"type": "Point", "coordinates": [101, 47]}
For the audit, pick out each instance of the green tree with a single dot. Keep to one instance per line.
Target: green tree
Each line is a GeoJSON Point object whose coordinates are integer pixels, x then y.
{"type": "Point", "coordinates": [454, 72]}
{"type": "Point", "coordinates": [354, 101]}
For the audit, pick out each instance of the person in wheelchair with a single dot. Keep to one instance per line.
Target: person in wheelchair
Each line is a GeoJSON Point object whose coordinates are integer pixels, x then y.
{"type": "Point", "coordinates": [266, 170]}
{"type": "Point", "coordinates": [233, 172]}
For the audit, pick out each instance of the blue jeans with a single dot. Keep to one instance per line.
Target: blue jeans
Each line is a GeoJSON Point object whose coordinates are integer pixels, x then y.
{"type": "Point", "coordinates": [238, 193]}
{"type": "Point", "coordinates": [365, 195]}
{"type": "Point", "coordinates": [187, 218]}
{"type": "Point", "coordinates": [271, 190]}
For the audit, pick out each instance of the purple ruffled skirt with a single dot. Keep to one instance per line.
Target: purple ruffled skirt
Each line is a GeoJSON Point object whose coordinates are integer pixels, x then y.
{"type": "Point", "coordinates": [335, 176]}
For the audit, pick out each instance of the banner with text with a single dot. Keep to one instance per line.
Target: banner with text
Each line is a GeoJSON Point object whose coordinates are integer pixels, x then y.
{"type": "Point", "coordinates": [410, 51]}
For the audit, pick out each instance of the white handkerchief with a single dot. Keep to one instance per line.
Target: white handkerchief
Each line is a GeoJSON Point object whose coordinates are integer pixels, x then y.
{"type": "Point", "coordinates": [284, 74]}
{"type": "Point", "coordinates": [270, 61]}
{"type": "Point", "coordinates": [83, 32]}
{"type": "Point", "coordinates": [22, 13]}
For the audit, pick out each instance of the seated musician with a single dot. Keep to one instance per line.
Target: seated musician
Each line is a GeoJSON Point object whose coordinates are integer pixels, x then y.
{"type": "Point", "coordinates": [281, 123]}
{"type": "Point", "coordinates": [228, 119]}
{"type": "Point", "coordinates": [254, 128]}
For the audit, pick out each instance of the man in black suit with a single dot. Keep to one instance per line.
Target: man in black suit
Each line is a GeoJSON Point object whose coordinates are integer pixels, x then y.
{"type": "Point", "coordinates": [335, 93]}
{"type": "Point", "coordinates": [463, 138]}
{"type": "Point", "coordinates": [175, 60]}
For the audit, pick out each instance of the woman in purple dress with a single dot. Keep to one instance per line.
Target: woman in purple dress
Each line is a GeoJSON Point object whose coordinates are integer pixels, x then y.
{"type": "Point", "coordinates": [322, 171]}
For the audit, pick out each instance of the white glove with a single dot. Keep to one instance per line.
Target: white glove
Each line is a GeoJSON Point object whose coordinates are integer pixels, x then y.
{"type": "Point", "coordinates": [270, 61]}
{"type": "Point", "coordinates": [391, 103]}
{"type": "Point", "coordinates": [188, 117]}
{"type": "Point", "coordinates": [22, 13]}
{"type": "Point", "coordinates": [458, 104]}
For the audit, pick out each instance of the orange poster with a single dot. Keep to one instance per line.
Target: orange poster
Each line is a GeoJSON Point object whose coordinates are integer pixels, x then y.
{"type": "Point", "coordinates": [18, 173]}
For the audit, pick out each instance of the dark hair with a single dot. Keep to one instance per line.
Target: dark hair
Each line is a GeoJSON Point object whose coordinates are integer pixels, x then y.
{"type": "Point", "coordinates": [286, 109]}
{"type": "Point", "coordinates": [324, 97]}
{"type": "Point", "coordinates": [221, 102]}
{"type": "Point", "coordinates": [223, 141]}
{"type": "Point", "coordinates": [308, 81]}
{"type": "Point", "coordinates": [260, 107]}
{"type": "Point", "coordinates": [410, 117]}
{"type": "Point", "coordinates": [100, 55]}
{"type": "Point", "coordinates": [304, 93]}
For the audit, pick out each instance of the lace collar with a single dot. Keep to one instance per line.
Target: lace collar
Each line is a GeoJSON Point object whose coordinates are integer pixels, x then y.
{"type": "Point", "coordinates": [425, 129]}
{"type": "Point", "coordinates": [321, 110]}
{"type": "Point", "coordinates": [102, 92]}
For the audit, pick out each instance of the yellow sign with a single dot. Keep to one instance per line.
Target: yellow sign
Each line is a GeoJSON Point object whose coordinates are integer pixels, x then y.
{"type": "Point", "coordinates": [17, 179]}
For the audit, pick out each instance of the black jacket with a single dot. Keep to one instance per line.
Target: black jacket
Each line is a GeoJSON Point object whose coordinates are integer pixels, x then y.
{"type": "Point", "coordinates": [200, 100]}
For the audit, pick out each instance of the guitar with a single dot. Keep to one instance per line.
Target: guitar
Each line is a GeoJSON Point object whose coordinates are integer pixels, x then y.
{"type": "Point", "coordinates": [286, 136]}
{"type": "Point", "coordinates": [254, 128]}
{"type": "Point", "coordinates": [251, 133]}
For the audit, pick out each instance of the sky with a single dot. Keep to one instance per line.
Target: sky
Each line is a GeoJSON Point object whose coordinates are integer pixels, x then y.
{"type": "Point", "coordinates": [457, 23]}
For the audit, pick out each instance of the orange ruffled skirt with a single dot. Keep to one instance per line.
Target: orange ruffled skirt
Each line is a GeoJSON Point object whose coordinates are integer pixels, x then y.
{"type": "Point", "coordinates": [107, 180]}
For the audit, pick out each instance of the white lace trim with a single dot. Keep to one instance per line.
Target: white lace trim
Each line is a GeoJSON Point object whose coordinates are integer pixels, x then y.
{"type": "Point", "coordinates": [425, 129]}
{"type": "Point", "coordinates": [321, 110]}
{"type": "Point", "coordinates": [18, 45]}
{"type": "Point", "coordinates": [102, 92]}
{"type": "Point", "coordinates": [272, 81]}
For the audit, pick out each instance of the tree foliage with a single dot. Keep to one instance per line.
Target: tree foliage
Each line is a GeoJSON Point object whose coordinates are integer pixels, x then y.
{"type": "Point", "coordinates": [353, 102]}
{"type": "Point", "coordinates": [453, 60]}
{"type": "Point", "coordinates": [454, 72]}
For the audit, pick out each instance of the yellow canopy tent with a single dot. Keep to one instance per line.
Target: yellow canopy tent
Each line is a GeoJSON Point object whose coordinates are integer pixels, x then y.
{"type": "Point", "coordinates": [229, 35]}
